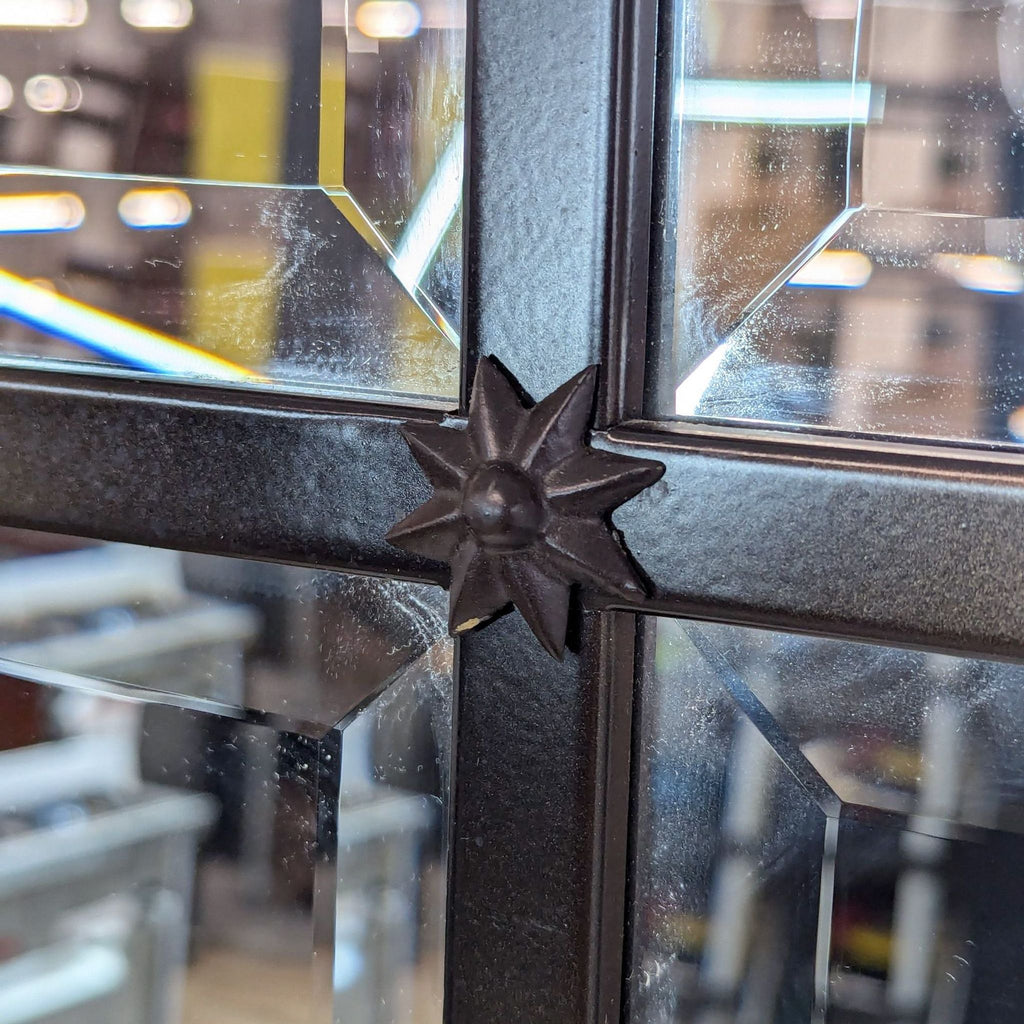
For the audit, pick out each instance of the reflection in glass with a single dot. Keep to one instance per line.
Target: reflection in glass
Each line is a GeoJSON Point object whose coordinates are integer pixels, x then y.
{"type": "Point", "coordinates": [267, 200]}
{"type": "Point", "coordinates": [223, 788]}
{"type": "Point", "coordinates": [826, 831]}
{"type": "Point", "coordinates": [845, 184]}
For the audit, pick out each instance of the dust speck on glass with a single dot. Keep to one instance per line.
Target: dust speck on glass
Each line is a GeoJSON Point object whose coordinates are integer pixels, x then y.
{"type": "Point", "coordinates": [843, 244]}
{"type": "Point", "coordinates": [265, 193]}
{"type": "Point", "coordinates": [825, 831]}
{"type": "Point", "coordinates": [224, 789]}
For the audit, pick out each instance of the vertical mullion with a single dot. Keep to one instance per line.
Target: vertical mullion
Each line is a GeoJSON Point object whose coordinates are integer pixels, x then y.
{"type": "Point", "coordinates": [629, 235]}
{"type": "Point", "coordinates": [613, 693]}
{"type": "Point", "coordinates": [539, 826]}
{"type": "Point", "coordinates": [637, 784]}
{"type": "Point", "coordinates": [540, 787]}
{"type": "Point", "coordinates": [540, 96]}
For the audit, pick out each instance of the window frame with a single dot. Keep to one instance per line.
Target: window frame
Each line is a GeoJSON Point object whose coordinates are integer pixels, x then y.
{"type": "Point", "coordinates": [823, 535]}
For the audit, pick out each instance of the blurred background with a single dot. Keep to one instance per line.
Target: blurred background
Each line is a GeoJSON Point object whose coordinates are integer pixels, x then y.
{"type": "Point", "coordinates": [223, 790]}
{"type": "Point", "coordinates": [843, 244]}
{"type": "Point", "coordinates": [265, 193]}
{"type": "Point", "coordinates": [825, 831]}
{"type": "Point", "coordinates": [223, 784]}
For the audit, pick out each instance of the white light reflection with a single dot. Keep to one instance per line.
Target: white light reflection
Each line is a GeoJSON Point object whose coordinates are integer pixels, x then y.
{"type": "Point", "coordinates": [690, 393]}
{"type": "Point", "coordinates": [1015, 423]}
{"type": "Point", "coordinates": [834, 268]}
{"type": "Point", "coordinates": [432, 216]}
{"type": "Point", "coordinates": [50, 94]}
{"type": "Point", "coordinates": [832, 10]}
{"type": "Point", "coordinates": [46, 93]}
{"type": "Point", "coordinates": [6, 92]}
{"type": "Point", "coordinates": [446, 15]}
{"type": "Point", "coordinates": [388, 19]}
{"type": "Point", "coordinates": [43, 13]}
{"type": "Point", "coordinates": [166, 15]}
{"type": "Point", "coordinates": [981, 273]}
{"type": "Point", "coordinates": [150, 209]}
{"type": "Point", "coordinates": [40, 213]}
{"type": "Point", "coordinates": [810, 103]}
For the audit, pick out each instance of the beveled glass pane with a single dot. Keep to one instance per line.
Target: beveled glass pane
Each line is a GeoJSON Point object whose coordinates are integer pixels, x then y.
{"type": "Point", "coordinates": [721, 825]}
{"type": "Point", "coordinates": [267, 200]}
{"type": "Point", "coordinates": [844, 191]}
{"type": "Point", "coordinates": [825, 831]}
{"type": "Point", "coordinates": [223, 790]}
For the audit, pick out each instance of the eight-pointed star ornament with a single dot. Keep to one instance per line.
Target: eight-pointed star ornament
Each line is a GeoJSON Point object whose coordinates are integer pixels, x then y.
{"type": "Point", "coordinates": [521, 506]}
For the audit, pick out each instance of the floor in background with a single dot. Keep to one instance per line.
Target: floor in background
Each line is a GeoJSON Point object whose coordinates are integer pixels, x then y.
{"type": "Point", "coordinates": [228, 987]}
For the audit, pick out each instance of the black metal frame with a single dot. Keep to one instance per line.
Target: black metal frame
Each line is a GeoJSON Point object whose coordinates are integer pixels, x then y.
{"type": "Point", "coordinates": [896, 543]}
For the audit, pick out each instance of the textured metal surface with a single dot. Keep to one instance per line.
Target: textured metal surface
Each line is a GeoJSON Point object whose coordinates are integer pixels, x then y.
{"type": "Point", "coordinates": [541, 91]}
{"type": "Point", "coordinates": [555, 281]}
{"type": "Point", "coordinates": [304, 487]}
{"type": "Point", "coordinates": [520, 506]}
{"type": "Point", "coordinates": [917, 550]}
{"type": "Point", "coordinates": [902, 550]}
{"type": "Point", "coordinates": [525, 887]}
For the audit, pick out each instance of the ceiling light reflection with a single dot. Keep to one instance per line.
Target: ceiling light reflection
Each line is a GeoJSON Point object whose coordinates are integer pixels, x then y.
{"type": "Point", "coordinates": [111, 337]}
{"type": "Point", "coordinates": [740, 102]}
{"type": "Point", "coordinates": [157, 14]}
{"type": "Point", "coordinates": [6, 92]}
{"type": "Point", "coordinates": [446, 15]}
{"type": "Point", "coordinates": [981, 273]}
{"type": "Point", "coordinates": [40, 213]}
{"type": "Point", "coordinates": [43, 13]}
{"type": "Point", "coordinates": [50, 94]}
{"type": "Point", "coordinates": [1015, 423]}
{"type": "Point", "coordinates": [388, 19]}
{"type": "Point", "coordinates": [834, 268]}
{"type": "Point", "coordinates": [151, 209]}
{"type": "Point", "coordinates": [832, 10]}
{"type": "Point", "coordinates": [45, 93]}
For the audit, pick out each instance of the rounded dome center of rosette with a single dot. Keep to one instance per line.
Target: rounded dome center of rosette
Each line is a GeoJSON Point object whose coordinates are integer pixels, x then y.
{"type": "Point", "coordinates": [501, 505]}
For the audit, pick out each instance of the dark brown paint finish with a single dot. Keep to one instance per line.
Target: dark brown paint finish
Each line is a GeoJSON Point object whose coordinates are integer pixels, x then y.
{"type": "Point", "coordinates": [521, 505]}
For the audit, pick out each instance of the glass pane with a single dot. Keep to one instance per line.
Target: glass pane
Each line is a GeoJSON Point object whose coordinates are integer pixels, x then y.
{"type": "Point", "coordinates": [268, 201]}
{"type": "Point", "coordinates": [825, 831]}
{"type": "Point", "coordinates": [845, 189]}
{"type": "Point", "coordinates": [223, 790]}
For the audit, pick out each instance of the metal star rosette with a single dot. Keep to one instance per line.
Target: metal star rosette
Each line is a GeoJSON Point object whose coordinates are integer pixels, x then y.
{"type": "Point", "coordinates": [521, 506]}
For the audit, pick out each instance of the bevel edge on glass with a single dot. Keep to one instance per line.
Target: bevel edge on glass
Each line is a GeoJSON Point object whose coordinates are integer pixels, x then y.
{"type": "Point", "coordinates": [653, 357]}
{"type": "Point", "coordinates": [135, 693]}
{"type": "Point", "coordinates": [372, 399]}
{"type": "Point", "coordinates": [86, 380]}
{"type": "Point", "coordinates": [392, 259]}
{"type": "Point", "coordinates": [671, 607]}
{"type": "Point", "coordinates": [384, 685]}
{"type": "Point", "coordinates": [910, 824]}
{"type": "Point", "coordinates": [820, 787]}
{"type": "Point", "coordinates": [317, 728]}
{"type": "Point", "coordinates": [37, 675]}
{"type": "Point", "coordinates": [763, 437]}
{"type": "Point", "coordinates": [749, 703]}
